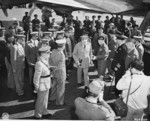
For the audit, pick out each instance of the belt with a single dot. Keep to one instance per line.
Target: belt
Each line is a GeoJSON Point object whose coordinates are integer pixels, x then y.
{"type": "Point", "coordinates": [45, 76]}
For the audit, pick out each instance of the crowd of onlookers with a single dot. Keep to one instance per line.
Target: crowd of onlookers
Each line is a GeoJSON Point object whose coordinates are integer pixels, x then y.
{"type": "Point", "coordinates": [114, 46]}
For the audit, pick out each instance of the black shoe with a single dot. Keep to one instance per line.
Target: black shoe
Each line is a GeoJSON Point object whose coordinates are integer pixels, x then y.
{"type": "Point", "coordinates": [37, 118]}
{"type": "Point", "coordinates": [47, 116]}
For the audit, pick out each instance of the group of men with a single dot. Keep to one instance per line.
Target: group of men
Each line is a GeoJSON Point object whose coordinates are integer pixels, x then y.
{"type": "Point", "coordinates": [111, 44]}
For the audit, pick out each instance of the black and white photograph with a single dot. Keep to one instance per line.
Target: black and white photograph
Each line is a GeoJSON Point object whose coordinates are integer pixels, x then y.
{"type": "Point", "coordinates": [75, 60]}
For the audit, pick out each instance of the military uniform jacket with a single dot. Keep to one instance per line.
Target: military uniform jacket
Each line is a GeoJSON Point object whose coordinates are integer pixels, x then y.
{"type": "Point", "coordinates": [31, 51]}
{"type": "Point", "coordinates": [83, 53]}
{"type": "Point", "coordinates": [58, 59]}
{"type": "Point", "coordinates": [18, 56]}
{"type": "Point", "coordinates": [42, 80]}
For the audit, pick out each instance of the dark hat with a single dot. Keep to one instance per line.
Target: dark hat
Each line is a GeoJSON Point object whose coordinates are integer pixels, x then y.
{"type": "Point", "coordinates": [101, 38]}
{"type": "Point", "coordinates": [137, 64]}
{"type": "Point", "coordinates": [45, 49]}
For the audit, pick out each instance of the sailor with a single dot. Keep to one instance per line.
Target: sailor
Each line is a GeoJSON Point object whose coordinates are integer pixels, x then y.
{"type": "Point", "coordinates": [58, 59]}
{"type": "Point", "coordinates": [31, 54]}
{"type": "Point", "coordinates": [18, 64]}
{"type": "Point", "coordinates": [42, 83]}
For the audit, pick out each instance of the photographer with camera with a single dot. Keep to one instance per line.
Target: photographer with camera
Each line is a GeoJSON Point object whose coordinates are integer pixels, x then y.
{"type": "Point", "coordinates": [139, 90]}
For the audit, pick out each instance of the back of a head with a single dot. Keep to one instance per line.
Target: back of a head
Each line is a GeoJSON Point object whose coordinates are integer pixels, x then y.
{"type": "Point", "coordinates": [137, 64]}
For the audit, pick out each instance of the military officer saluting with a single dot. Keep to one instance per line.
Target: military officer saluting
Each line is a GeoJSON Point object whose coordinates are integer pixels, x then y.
{"type": "Point", "coordinates": [42, 83]}
{"type": "Point", "coordinates": [57, 59]}
{"type": "Point", "coordinates": [18, 64]}
{"type": "Point", "coordinates": [31, 54]}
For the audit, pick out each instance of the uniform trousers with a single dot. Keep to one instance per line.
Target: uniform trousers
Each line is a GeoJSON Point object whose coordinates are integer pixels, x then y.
{"type": "Point", "coordinates": [10, 76]}
{"type": "Point", "coordinates": [58, 90]}
{"type": "Point", "coordinates": [31, 73]}
{"type": "Point", "coordinates": [41, 103]}
{"type": "Point", "coordinates": [86, 76]}
{"type": "Point", "coordinates": [19, 79]}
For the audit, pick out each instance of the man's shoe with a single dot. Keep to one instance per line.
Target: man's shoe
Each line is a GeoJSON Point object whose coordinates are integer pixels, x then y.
{"type": "Point", "coordinates": [37, 118]}
{"type": "Point", "coordinates": [47, 116]}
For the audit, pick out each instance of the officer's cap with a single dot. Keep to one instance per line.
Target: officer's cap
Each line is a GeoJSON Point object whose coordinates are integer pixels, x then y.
{"type": "Point", "coordinates": [19, 36]}
{"type": "Point", "coordinates": [147, 36]}
{"type": "Point", "coordinates": [51, 30]}
{"type": "Point", "coordinates": [47, 33]}
{"type": "Point", "coordinates": [34, 33]}
{"type": "Point", "coordinates": [61, 42]}
{"type": "Point", "coordinates": [138, 38]}
{"type": "Point", "coordinates": [45, 49]}
{"type": "Point", "coordinates": [44, 40]}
